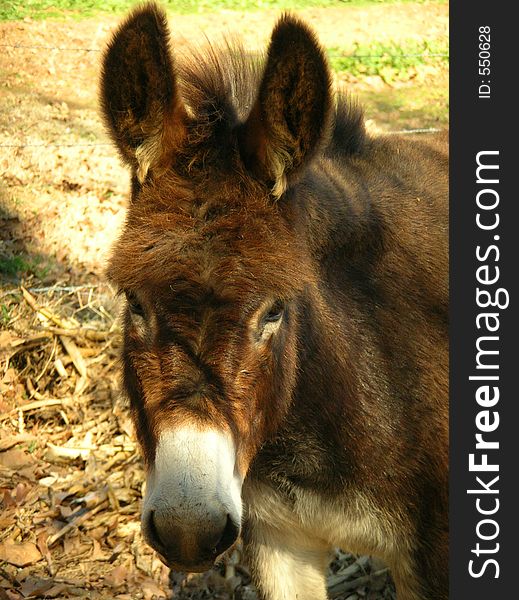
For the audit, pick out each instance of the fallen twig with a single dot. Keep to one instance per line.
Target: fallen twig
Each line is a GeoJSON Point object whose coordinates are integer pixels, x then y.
{"type": "Point", "coordinates": [339, 588]}
{"type": "Point", "coordinates": [74, 353]}
{"type": "Point", "coordinates": [37, 404]}
{"type": "Point", "coordinates": [84, 515]}
{"type": "Point", "coordinates": [81, 332]}
{"type": "Point", "coordinates": [31, 301]}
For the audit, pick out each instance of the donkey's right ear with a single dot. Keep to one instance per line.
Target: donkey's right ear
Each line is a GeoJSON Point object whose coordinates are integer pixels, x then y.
{"type": "Point", "coordinates": [139, 96]}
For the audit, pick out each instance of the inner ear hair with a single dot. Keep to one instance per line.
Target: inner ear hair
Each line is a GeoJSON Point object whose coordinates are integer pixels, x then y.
{"type": "Point", "coordinates": [292, 113]}
{"type": "Point", "coordinates": [141, 105]}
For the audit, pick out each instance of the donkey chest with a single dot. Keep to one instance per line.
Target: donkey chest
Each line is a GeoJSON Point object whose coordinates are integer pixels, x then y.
{"type": "Point", "coordinates": [350, 520]}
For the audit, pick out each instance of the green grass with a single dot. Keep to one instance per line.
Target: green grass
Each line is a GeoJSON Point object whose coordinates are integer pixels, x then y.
{"type": "Point", "coordinates": [18, 265]}
{"type": "Point", "coordinates": [391, 61]}
{"type": "Point", "coordinates": [41, 9]}
{"type": "Point", "coordinates": [5, 315]}
{"type": "Point", "coordinates": [417, 95]}
{"type": "Point", "coordinates": [409, 107]}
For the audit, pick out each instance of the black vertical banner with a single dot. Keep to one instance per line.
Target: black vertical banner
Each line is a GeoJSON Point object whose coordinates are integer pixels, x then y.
{"type": "Point", "coordinates": [484, 268]}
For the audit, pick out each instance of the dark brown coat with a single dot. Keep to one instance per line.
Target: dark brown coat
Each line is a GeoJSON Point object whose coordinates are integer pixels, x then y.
{"type": "Point", "coordinates": [287, 286]}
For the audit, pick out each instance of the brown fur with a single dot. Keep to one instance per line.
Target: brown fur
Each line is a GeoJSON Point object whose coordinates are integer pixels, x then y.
{"type": "Point", "coordinates": [249, 188]}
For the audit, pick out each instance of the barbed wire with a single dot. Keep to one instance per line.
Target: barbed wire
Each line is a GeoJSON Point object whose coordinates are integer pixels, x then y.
{"type": "Point", "coordinates": [50, 48]}
{"type": "Point", "coordinates": [107, 144]}
{"type": "Point", "coordinates": [331, 55]}
{"type": "Point", "coordinates": [406, 131]}
{"type": "Point", "coordinates": [54, 145]}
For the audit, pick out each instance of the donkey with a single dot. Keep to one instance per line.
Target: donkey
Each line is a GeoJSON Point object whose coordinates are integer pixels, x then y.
{"type": "Point", "coordinates": [285, 326]}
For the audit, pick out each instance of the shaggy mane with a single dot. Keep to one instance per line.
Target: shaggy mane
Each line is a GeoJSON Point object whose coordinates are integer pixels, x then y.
{"type": "Point", "coordinates": [220, 82]}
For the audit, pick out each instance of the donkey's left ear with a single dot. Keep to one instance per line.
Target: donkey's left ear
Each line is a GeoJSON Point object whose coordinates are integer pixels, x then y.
{"type": "Point", "coordinates": [139, 96]}
{"type": "Point", "coordinates": [290, 118]}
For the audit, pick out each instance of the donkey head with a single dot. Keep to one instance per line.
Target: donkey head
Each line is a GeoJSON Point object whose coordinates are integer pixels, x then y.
{"type": "Point", "coordinates": [213, 260]}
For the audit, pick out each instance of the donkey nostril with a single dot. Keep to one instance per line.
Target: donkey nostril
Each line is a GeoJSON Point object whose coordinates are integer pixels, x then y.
{"type": "Point", "coordinates": [153, 532]}
{"type": "Point", "coordinates": [229, 535]}
{"type": "Point", "coordinates": [188, 545]}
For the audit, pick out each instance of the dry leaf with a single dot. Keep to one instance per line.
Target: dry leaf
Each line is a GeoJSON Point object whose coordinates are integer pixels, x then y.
{"type": "Point", "coordinates": [8, 499]}
{"type": "Point", "coordinates": [10, 375]}
{"type": "Point", "coordinates": [9, 442]}
{"type": "Point", "coordinates": [48, 481]}
{"type": "Point", "coordinates": [6, 337]}
{"type": "Point", "coordinates": [71, 545]}
{"type": "Point", "coordinates": [56, 591]}
{"type": "Point", "coordinates": [9, 595]}
{"type": "Point", "coordinates": [150, 589]}
{"type": "Point", "coordinates": [65, 511]}
{"type": "Point", "coordinates": [117, 577]}
{"type": "Point", "coordinates": [97, 533]}
{"type": "Point", "coordinates": [7, 518]}
{"type": "Point", "coordinates": [15, 459]}
{"type": "Point", "coordinates": [21, 492]}
{"type": "Point", "coordinates": [20, 555]}
{"type": "Point", "coordinates": [97, 553]}
{"type": "Point", "coordinates": [41, 542]}
{"type": "Point", "coordinates": [92, 498]}
{"type": "Point", "coordinates": [35, 587]}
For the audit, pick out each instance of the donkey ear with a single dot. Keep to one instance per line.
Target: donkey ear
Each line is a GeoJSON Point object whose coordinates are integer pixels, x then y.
{"type": "Point", "coordinates": [139, 95]}
{"type": "Point", "coordinates": [290, 117]}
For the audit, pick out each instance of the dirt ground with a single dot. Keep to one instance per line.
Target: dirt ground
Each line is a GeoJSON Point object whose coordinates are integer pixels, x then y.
{"type": "Point", "coordinates": [70, 476]}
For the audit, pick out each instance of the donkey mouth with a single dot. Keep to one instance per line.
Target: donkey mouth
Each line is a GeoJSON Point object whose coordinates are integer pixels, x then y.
{"type": "Point", "coordinates": [205, 559]}
{"type": "Point", "coordinates": [199, 567]}
{"type": "Point", "coordinates": [171, 559]}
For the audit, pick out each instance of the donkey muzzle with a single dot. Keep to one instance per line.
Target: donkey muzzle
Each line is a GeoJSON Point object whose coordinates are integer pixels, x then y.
{"type": "Point", "coordinates": [190, 546]}
{"type": "Point", "coordinates": [192, 508]}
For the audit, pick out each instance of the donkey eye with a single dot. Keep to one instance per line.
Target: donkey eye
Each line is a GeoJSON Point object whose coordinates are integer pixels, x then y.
{"type": "Point", "coordinates": [135, 306]}
{"type": "Point", "coordinates": [275, 313]}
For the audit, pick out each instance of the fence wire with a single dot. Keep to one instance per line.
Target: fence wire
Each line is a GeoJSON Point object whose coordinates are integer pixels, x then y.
{"type": "Point", "coordinates": [105, 145]}
{"type": "Point", "coordinates": [54, 145]}
{"type": "Point", "coordinates": [331, 55]}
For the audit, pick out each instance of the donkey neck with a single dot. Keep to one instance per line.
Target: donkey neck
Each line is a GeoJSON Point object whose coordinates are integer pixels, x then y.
{"type": "Point", "coordinates": [336, 209]}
